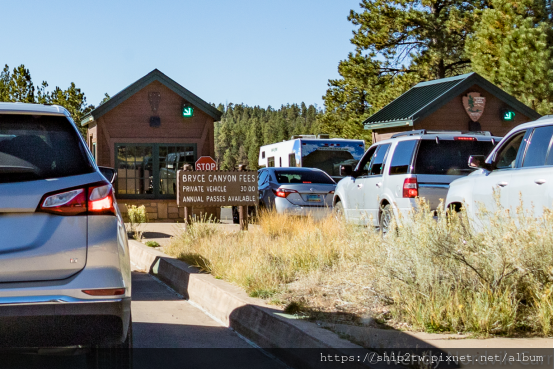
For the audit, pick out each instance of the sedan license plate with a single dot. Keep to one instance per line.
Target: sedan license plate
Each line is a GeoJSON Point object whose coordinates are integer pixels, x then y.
{"type": "Point", "coordinates": [314, 198]}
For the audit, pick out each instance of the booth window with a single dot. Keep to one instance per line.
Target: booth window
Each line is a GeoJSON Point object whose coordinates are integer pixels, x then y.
{"type": "Point", "coordinates": [150, 170]}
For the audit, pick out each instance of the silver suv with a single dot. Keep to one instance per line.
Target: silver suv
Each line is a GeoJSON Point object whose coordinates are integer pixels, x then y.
{"type": "Point", "coordinates": [65, 275]}
{"type": "Point", "coordinates": [394, 172]}
{"type": "Point", "coordinates": [519, 169]}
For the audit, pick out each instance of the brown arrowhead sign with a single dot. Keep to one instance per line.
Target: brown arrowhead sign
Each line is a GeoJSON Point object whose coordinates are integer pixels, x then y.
{"type": "Point", "coordinates": [474, 105]}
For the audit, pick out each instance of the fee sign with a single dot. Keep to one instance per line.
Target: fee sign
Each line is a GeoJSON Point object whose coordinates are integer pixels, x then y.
{"type": "Point", "coordinates": [217, 188]}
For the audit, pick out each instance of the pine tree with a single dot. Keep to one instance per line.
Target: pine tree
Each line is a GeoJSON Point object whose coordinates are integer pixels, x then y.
{"type": "Point", "coordinates": [20, 86]}
{"type": "Point", "coordinates": [512, 47]}
{"type": "Point", "coordinates": [397, 44]}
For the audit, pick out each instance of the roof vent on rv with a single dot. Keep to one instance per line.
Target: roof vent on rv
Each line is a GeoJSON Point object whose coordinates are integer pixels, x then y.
{"type": "Point", "coordinates": [323, 136]}
{"type": "Point", "coordinates": [302, 136]}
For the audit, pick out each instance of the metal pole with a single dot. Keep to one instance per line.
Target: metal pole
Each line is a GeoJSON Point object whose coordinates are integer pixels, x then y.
{"type": "Point", "coordinates": [243, 210]}
{"type": "Point", "coordinates": [188, 209]}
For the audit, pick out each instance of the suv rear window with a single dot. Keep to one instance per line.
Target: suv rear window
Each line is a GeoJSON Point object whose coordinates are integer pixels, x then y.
{"type": "Point", "coordinates": [39, 147]}
{"type": "Point", "coordinates": [297, 176]}
{"type": "Point", "coordinates": [449, 157]}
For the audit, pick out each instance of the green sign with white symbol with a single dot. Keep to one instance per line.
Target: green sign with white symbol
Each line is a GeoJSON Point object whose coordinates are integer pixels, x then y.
{"type": "Point", "coordinates": [508, 115]}
{"type": "Point", "coordinates": [188, 111]}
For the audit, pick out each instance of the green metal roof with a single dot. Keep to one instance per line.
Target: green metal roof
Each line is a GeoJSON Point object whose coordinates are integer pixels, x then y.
{"type": "Point", "coordinates": [132, 89]}
{"type": "Point", "coordinates": [426, 97]}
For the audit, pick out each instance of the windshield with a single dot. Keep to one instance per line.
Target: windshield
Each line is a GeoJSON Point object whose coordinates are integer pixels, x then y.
{"type": "Point", "coordinates": [301, 176]}
{"type": "Point", "coordinates": [449, 157]}
{"type": "Point", "coordinates": [39, 147]}
{"type": "Point", "coordinates": [329, 155]}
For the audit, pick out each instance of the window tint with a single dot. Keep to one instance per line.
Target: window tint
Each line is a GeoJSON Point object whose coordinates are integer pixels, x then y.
{"type": "Point", "coordinates": [40, 147]}
{"type": "Point", "coordinates": [448, 157]}
{"type": "Point", "coordinates": [538, 147]}
{"type": "Point", "coordinates": [363, 165]}
{"type": "Point", "coordinates": [297, 176]}
{"type": "Point", "coordinates": [377, 164]}
{"type": "Point", "coordinates": [507, 155]}
{"type": "Point", "coordinates": [402, 157]}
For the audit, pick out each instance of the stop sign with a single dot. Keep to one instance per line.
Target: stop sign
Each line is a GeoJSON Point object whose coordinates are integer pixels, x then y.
{"type": "Point", "coordinates": [205, 163]}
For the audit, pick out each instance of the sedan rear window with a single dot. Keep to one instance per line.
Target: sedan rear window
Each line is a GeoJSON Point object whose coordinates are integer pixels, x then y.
{"type": "Point", "coordinates": [307, 176]}
{"type": "Point", "coordinates": [39, 147]}
{"type": "Point", "coordinates": [449, 157]}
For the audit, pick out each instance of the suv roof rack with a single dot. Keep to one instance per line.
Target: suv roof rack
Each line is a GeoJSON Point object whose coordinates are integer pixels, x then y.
{"type": "Point", "coordinates": [420, 132]}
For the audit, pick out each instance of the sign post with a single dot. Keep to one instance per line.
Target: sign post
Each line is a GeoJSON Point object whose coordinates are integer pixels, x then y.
{"type": "Point", "coordinates": [188, 209]}
{"type": "Point", "coordinates": [243, 210]}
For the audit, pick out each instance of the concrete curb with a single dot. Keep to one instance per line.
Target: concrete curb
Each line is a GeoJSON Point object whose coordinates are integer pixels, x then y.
{"type": "Point", "coordinates": [266, 326]}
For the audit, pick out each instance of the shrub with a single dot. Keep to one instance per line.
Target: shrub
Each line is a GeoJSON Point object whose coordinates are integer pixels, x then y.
{"type": "Point", "coordinates": [152, 244]}
{"type": "Point", "coordinates": [137, 216]}
{"type": "Point", "coordinates": [436, 272]}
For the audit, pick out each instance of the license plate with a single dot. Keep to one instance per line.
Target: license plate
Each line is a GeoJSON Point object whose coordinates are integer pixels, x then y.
{"type": "Point", "coordinates": [314, 198]}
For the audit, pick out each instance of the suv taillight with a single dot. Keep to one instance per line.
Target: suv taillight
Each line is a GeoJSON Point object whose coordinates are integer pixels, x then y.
{"type": "Point", "coordinates": [410, 187]}
{"type": "Point", "coordinates": [90, 200]}
{"type": "Point", "coordinates": [283, 192]}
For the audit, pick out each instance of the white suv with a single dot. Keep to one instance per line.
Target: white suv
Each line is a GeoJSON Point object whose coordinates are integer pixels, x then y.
{"type": "Point", "coordinates": [520, 165]}
{"type": "Point", "coordinates": [393, 172]}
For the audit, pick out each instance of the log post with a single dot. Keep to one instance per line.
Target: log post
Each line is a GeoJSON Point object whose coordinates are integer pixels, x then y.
{"type": "Point", "coordinates": [243, 210]}
{"type": "Point", "coordinates": [188, 209]}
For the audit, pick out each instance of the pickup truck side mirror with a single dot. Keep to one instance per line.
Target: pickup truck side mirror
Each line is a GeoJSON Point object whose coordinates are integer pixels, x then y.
{"type": "Point", "coordinates": [346, 170]}
{"type": "Point", "coordinates": [109, 173]}
{"type": "Point", "coordinates": [478, 161]}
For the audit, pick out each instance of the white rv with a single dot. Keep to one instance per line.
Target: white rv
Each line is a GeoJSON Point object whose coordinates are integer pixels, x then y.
{"type": "Point", "coordinates": [312, 151]}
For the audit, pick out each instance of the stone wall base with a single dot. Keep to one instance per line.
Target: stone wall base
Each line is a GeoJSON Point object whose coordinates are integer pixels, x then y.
{"type": "Point", "coordinates": [164, 211]}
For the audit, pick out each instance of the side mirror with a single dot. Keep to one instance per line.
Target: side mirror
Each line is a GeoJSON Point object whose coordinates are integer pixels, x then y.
{"type": "Point", "coordinates": [346, 170]}
{"type": "Point", "coordinates": [109, 173]}
{"type": "Point", "coordinates": [478, 161]}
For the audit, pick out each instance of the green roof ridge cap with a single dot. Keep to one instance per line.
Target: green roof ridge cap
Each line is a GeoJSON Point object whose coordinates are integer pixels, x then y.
{"type": "Point", "coordinates": [443, 80]}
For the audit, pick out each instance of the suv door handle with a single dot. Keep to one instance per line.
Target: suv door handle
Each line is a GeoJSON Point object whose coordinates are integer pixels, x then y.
{"type": "Point", "coordinates": [502, 184]}
{"type": "Point", "coordinates": [540, 181]}
{"type": "Point", "coordinates": [379, 184]}
{"type": "Point", "coordinates": [360, 185]}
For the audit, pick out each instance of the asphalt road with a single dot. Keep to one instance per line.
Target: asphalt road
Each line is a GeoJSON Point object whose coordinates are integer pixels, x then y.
{"type": "Point", "coordinates": [168, 332]}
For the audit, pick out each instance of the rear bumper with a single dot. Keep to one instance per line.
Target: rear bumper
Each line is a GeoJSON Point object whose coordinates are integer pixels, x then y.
{"type": "Point", "coordinates": [56, 323]}
{"type": "Point", "coordinates": [283, 206]}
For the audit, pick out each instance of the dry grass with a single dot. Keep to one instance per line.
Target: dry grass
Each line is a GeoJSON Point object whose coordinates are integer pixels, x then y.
{"type": "Point", "coordinates": [440, 275]}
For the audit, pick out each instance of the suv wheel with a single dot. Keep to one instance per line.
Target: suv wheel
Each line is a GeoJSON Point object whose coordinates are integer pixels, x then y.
{"type": "Point", "coordinates": [385, 219]}
{"type": "Point", "coordinates": [338, 210]}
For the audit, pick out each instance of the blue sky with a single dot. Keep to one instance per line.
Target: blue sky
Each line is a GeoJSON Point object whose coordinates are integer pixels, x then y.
{"type": "Point", "coordinates": [242, 51]}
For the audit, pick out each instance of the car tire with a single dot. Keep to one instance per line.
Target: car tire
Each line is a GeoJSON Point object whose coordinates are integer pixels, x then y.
{"type": "Point", "coordinates": [117, 355]}
{"type": "Point", "coordinates": [338, 211]}
{"type": "Point", "coordinates": [385, 219]}
{"type": "Point", "coordinates": [235, 212]}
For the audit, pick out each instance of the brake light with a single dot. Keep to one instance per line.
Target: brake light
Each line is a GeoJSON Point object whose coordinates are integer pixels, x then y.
{"type": "Point", "coordinates": [283, 192]}
{"type": "Point", "coordinates": [331, 192]}
{"type": "Point", "coordinates": [410, 187]}
{"type": "Point", "coordinates": [101, 199]}
{"type": "Point", "coordinates": [91, 200]}
{"type": "Point", "coordinates": [465, 139]}
{"type": "Point", "coordinates": [105, 292]}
